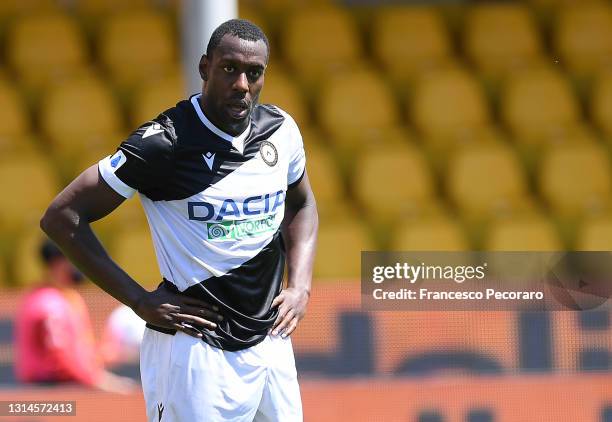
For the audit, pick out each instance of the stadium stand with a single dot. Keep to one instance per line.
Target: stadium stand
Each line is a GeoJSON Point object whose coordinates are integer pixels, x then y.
{"type": "Point", "coordinates": [595, 234]}
{"type": "Point", "coordinates": [537, 103]}
{"type": "Point", "coordinates": [334, 262]}
{"type": "Point", "coordinates": [500, 37]}
{"type": "Point", "coordinates": [485, 178]}
{"type": "Point", "coordinates": [28, 268]}
{"type": "Point", "coordinates": [125, 41]}
{"type": "Point", "coordinates": [341, 111]}
{"type": "Point", "coordinates": [281, 90]}
{"type": "Point", "coordinates": [45, 47]}
{"type": "Point", "coordinates": [128, 214]}
{"type": "Point", "coordinates": [30, 184]}
{"type": "Point", "coordinates": [447, 102]}
{"type": "Point", "coordinates": [387, 116]}
{"type": "Point", "coordinates": [575, 179]}
{"type": "Point", "coordinates": [524, 233]}
{"type": "Point", "coordinates": [390, 182]}
{"type": "Point", "coordinates": [153, 97]}
{"type": "Point", "coordinates": [306, 46]}
{"type": "Point", "coordinates": [409, 40]}
{"type": "Point", "coordinates": [430, 234]}
{"type": "Point", "coordinates": [325, 178]}
{"type": "Point", "coordinates": [15, 118]}
{"type": "Point", "coordinates": [601, 103]}
{"type": "Point", "coordinates": [77, 116]}
{"type": "Point", "coordinates": [583, 36]}
{"type": "Point", "coordinates": [134, 252]}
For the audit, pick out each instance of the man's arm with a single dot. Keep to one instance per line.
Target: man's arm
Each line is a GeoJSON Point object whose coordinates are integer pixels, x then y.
{"type": "Point", "coordinates": [67, 222]}
{"type": "Point", "coordinates": [300, 233]}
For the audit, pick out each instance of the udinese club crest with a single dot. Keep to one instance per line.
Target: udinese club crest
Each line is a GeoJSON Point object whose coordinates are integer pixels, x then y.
{"type": "Point", "coordinates": [268, 153]}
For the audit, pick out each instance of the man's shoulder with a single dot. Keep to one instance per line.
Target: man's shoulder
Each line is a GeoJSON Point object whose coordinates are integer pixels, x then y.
{"type": "Point", "coordinates": [159, 135]}
{"type": "Point", "coordinates": [269, 112]}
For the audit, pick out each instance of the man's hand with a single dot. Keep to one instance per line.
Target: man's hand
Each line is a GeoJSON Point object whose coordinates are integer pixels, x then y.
{"type": "Point", "coordinates": [292, 307]}
{"type": "Point", "coordinates": [166, 309]}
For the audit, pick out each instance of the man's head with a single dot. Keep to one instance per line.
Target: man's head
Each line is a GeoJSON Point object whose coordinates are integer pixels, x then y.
{"type": "Point", "coordinates": [233, 73]}
{"type": "Point", "coordinates": [60, 271]}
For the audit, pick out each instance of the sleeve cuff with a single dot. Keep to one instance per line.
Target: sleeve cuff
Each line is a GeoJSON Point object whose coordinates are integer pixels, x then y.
{"type": "Point", "coordinates": [107, 172]}
{"type": "Point", "coordinates": [298, 180]}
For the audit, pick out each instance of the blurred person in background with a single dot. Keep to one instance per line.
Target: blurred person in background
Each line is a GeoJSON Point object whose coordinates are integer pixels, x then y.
{"type": "Point", "coordinates": [122, 336]}
{"type": "Point", "coordinates": [54, 336]}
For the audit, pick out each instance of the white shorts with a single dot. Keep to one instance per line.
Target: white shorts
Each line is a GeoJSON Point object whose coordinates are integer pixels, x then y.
{"type": "Point", "coordinates": [186, 380]}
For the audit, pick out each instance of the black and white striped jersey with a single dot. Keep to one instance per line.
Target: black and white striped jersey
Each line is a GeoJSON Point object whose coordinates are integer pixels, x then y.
{"type": "Point", "coordinates": [215, 203]}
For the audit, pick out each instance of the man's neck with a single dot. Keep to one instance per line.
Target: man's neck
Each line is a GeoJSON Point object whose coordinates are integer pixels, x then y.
{"type": "Point", "coordinates": [233, 130]}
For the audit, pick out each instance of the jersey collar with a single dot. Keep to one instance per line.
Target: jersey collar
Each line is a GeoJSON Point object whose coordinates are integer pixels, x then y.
{"type": "Point", "coordinates": [236, 141]}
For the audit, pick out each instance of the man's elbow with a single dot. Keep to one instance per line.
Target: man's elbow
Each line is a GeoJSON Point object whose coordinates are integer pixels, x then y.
{"type": "Point", "coordinates": [54, 221]}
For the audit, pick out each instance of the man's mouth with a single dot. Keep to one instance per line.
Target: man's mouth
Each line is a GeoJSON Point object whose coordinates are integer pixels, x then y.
{"type": "Point", "coordinates": [238, 109]}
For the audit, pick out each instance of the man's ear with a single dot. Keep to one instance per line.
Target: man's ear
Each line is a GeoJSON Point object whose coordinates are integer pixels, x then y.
{"type": "Point", "coordinates": [203, 67]}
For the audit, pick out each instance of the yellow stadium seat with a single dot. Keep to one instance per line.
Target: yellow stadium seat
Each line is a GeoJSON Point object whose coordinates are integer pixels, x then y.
{"type": "Point", "coordinates": [525, 233]}
{"type": "Point", "coordinates": [319, 41]}
{"type": "Point", "coordinates": [441, 149]}
{"type": "Point", "coordinates": [252, 13]}
{"type": "Point", "coordinates": [481, 179]}
{"type": "Point", "coordinates": [349, 144]}
{"type": "Point", "coordinates": [325, 179]}
{"type": "Point", "coordinates": [538, 103]}
{"type": "Point", "coordinates": [15, 119]}
{"type": "Point", "coordinates": [154, 97]}
{"type": "Point", "coordinates": [99, 8]}
{"type": "Point", "coordinates": [80, 114]}
{"type": "Point", "coordinates": [408, 40]}
{"type": "Point", "coordinates": [5, 279]}
{"type": "Point", "coordinates": [356, 101]}
{"type": "Point", "coordinates": [601, 103]}
{"type": "Point", "coordinates": [595, 234]}
{"type": "Point", "coordinates": [500, 37]}
{"type": "Point", "coordinates": [68, 169]}
{"type": "Point", "coordinates": [447, 102]}
{"type": "Point", "coordinates": [583, 36]}
{"type": "Point", "coordinates": [390, 182]}
{"type": "Point", "coordinates": [575, 178]}
{"type": "Point", "coordinates": [431, 234]}
{"type": "Point", "coordinates": [42, 47]}
{"type": "Point", "coordinates": [12, 8]}
{"type": "Point", "coordinates": [339, 249]}
{"type": "Point", "coordinates": [133, 251]}
{"type": "Point", "coordinates": [29, 185]}
{"type": "Point", "coordinates": [281, 90]}
{"type": "Point", "coordinates": [129, 214]}
{"type": "Point", "coordinates": [137, 45]}
{"type": "Point", "coordinates": [28, 267]}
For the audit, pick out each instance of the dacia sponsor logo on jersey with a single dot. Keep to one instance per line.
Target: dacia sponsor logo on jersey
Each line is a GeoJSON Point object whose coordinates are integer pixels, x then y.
{"type": "Point", "coordinates": [250, 207]}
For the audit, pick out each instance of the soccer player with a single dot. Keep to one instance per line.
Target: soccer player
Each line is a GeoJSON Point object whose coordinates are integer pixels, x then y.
{"type": "Point", "coordinates": [223, 183]}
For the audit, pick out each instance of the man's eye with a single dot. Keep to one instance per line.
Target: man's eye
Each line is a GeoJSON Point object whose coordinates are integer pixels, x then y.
{"type": "Point", "coordinates": [255, 73]}
{"type": "Point", "coordinates": [228, 69]}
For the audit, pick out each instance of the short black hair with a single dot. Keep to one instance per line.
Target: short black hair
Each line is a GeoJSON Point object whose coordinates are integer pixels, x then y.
{"type": "Point", "coordinates": [241, 28]}
{"type": "Point", "coordinates": [49, 251]}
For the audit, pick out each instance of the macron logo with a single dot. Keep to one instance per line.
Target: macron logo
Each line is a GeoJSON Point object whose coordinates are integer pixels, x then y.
{"type": "Point", "coordinates": [209, 158]}
{"type": "Point", "coordinates": [152, 130]}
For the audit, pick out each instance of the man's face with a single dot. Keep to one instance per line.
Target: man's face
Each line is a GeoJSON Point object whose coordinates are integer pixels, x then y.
{"type": "Point", "coordinates": [234, 76]}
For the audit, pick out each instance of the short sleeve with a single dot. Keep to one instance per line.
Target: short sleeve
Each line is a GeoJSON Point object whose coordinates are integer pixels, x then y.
{"type": "Point", "coordinates": [297, 157]}
{"type": "Point", "coordinates": [142, 162]}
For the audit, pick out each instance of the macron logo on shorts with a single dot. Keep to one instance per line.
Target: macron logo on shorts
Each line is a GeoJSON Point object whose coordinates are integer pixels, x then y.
{"type": "Point", "coordinates": [160, 411]}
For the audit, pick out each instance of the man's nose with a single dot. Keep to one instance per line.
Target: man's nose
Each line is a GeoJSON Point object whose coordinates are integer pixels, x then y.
{"type": "Point", "coordinates": [241, 83]}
